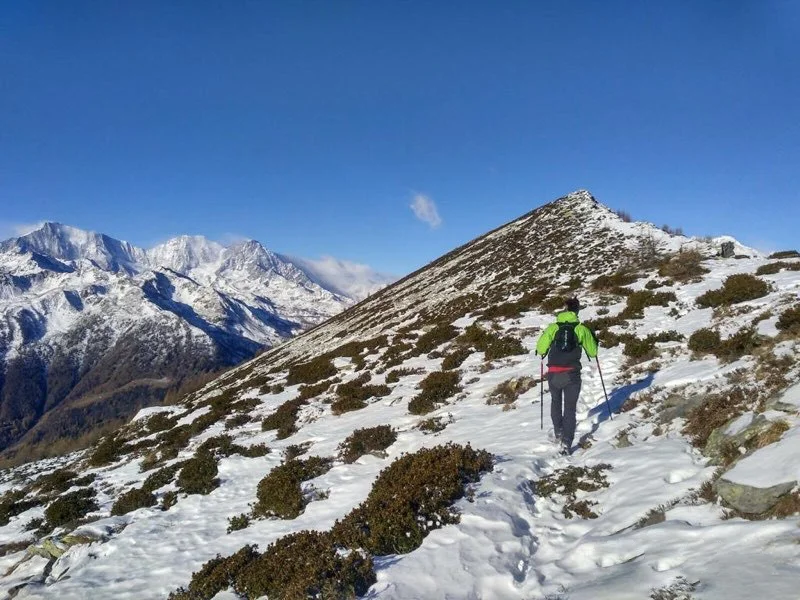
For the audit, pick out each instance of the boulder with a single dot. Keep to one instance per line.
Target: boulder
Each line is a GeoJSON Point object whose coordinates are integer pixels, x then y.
{"type": "Point", "coordinates": [749, 499]}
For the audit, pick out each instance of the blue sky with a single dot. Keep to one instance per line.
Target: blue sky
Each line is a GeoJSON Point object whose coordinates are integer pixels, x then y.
{"type": "Point", "coordinates": [312, 126]}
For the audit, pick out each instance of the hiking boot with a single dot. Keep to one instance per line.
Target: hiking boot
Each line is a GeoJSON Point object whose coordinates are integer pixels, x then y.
{"type": "Point", "coordinates": [565, 449]}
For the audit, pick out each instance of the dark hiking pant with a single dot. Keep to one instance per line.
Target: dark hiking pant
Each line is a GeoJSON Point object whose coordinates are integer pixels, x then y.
{"type": "Point", "coordinates": [564, 389]}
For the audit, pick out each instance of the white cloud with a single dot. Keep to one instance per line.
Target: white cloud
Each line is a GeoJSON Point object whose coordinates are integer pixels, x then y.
{"type": "Point", "coordinates": [12, 230]}
{"type": "Point", "coordinates": [425, 210]}
{"type": "Point", "coordinates": [344, 277]}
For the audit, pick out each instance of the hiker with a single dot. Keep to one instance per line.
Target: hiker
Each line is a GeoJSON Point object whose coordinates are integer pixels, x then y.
{"type": "Point", "coordinates": [562, 342]}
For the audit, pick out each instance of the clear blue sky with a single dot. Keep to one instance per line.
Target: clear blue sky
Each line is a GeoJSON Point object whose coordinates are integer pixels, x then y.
{"type": "Point", "coordinates": [310, 126]}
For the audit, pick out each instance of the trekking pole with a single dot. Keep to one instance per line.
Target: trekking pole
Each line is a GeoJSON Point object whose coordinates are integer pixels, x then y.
{"type": "Point", "coordinates": [604, 387]}
{"type": "Point", "coordinates": [541, 389]}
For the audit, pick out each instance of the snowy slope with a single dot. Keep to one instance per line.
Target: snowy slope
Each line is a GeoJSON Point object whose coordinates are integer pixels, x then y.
{"type": "Point", "coordinates": [655, 525]}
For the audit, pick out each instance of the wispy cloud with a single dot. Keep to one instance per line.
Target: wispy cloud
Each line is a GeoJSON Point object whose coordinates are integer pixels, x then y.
{"type": "Point", "coordinates": [425, 210]}
{"type": "Point", "coordinates": [11, 230]}
{"type": "Point", "coordinates": [344, 277]}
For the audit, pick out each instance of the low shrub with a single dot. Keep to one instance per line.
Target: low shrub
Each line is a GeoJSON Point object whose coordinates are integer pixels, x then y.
{"type": "Point", "coordinates": [56, 482]}
{"type": "Point", "coordinates": [512, 310]}
{"type": "Point", "coordinates": [735, 289]}
{"type": "Point", "coordinates": [639, 300]}
{"type": "Point", "coordinates": [704, 341]}
{"type": "Point", "coordinates": [279, 493]}
{"type": "Point", "coordinates": [198, 475]}
{"type": "Point", "coordinates": [312, 391]}
{"type": "Point", "coordinates": [395, 375]}
{"type": "Point", "coordinates": [13, 503]}
{"type": "Point", "coordinates": [354, 394]}
{"type": "Point", "coordinates": [433, 425]}
{"type": "Point", "coordinates": [456, 358]}
{"type": "Point", "coordinates": [683, 266]}
{"type": "Point", "coordinates": [741, 343]}
{"type": "Point", "coordinates": [366, 441]}
{"type": "Point", "coordinates": [640, 349]}
{"type": "Point", "coordinates": [715, 411]}
{"type": "Point", "coordinates": [567, 482]}
{"type": "Point", "coordinates": [237, 421]}
{"type": "Point", "coordinates": [223, 445]}
{"type": "Point", "coordinates": [434, 338]}
{"type": "Point", "coordinates": [67, 509]}
{"type": "Point", "coordinates": [161, 421]}
{"type": "Point", "coordinates": [133, 500]}
{"type": "Point", "coordinates": [493, 346]}
{"type": "Point", "coordinates": [785, 254]}
{"type": "Point", "coordinates": [311, 371]}
{"type": "Point", "coordinates": [294, 450]}
{"type": "Point", "coordinates": [436, 388]}
{"type": "Point", "coordinates": [615, 280]}
{"type": "Point", "coordinates": [169, 500]}
{"type": "Point", "coordinates": [162, 477]}
{"type": "Point", "coordinates": [508, 391]}
{"type": "Point", "coordinates": [238, 522]}
{"type": "Point", "coordinates": [284, 419]}
{"type": "Point", "coordinates": [553, 304]}
{"type": "Point", "coordinates": [789, 320]}
{"type": "Point", "coordinates": [107, 450]}
{"type": "Point", "coordinates": [411, 497]}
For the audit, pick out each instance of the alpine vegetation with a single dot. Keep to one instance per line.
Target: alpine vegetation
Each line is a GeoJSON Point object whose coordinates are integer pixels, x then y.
{"type": "Point", "coordinates": [367, 457]}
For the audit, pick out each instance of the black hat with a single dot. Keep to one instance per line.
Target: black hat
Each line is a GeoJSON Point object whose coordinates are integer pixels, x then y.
{"type": "Point", "coordinates": [574, 305]}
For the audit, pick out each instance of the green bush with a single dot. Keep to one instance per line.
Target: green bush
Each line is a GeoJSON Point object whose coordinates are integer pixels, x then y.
{"type": "Point", "coordinates": [238, 522]}
{"type": "Point", "coordinates": [683, 266]}
{"type": "Point", "coordinates": [615, 280]}
{"type": "Point", "coordinates": [512, 310]}
{"type": "Point", "coordinates": [553, 304]}
{"type": "Point", "coordinates": [785, 254]}
{"type": "Point", "coordinates": [67, 509]}
{"type": "Point", "coordinates": [704, 341]}
{"type": "Point", "coordinates": [639, 300]}
{"type": "Point", "coordinates": [739, 344]}
{"type": "Point", "coordinates": [311, 371]}
{"type": "Point", "coordinates": [56, 482]}
{"type": "Point", "coordinates": [640, 349]}
{"type": "Point", "coordinates": [367, 440]}
{"type": "Point", "coordinates": [237, 421]}
{"type": "Point", "coordinates": [491, 344]}
{"type": "Point", "coordinates": [434, 338]}
{"type": "Point", "coordinates": [714, 412]}
{"type": "Point", "coordinates": [222, 445]}
{"type": "Point", "coordinates": [433, 425]}
{"type": "Point", "coordinates": [162, 477]}
{"type": "Point", "coordinates": [160, 421]}
{"type": "Point", "coordinates": [411, 497]}
{"type": "Point", "coordinates": [279, 493]}
{"type": "Point", "coordinates": [132, 500]}
{"type": "Point", "coordinates": [456, 358]}
{"type": "Point", "coordinates": [345, 405]}
{"type": "Point", "coordinates": [394, 376]}
{"type": "Point", "coordinates": [107, 451]}
{"type": "Point", "coordinates": [789, 321]}
{"type": "Point", "coordinates": [436, 388]}
{"type": "Point", "coordinates": [312, 391]}
{"type": "Point", "coordinates": [284, 418]}
{"type": "Point", "coordinates": [199, 474]}
{"type": "Point", "coordinates": [770, 268]}
{"type": "Point", "coordinates": [13, 503]}
{"type": "Point", "coordinates": [735, 289]}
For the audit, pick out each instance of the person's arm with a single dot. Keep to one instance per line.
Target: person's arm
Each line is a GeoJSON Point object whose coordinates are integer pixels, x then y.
{"type": "Point", "coordinates": [547, 337]}
{"type": "Point", "coordinates": [587, 340]}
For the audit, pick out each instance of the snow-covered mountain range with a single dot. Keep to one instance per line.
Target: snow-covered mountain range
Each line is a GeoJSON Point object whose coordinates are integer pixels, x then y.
{"type": "Point", "coordinates": [401, 449]}
{"type": "Point", "coordinates": [93, 328]}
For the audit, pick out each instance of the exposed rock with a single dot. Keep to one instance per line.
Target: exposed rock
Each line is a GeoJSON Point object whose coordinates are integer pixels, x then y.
{"type": "Point", "coordinates": [719, 439]}
{"type": "Point", "coordinates": [49, 548]}
{"type": "Point", "coordinates": [677, 406]}
{"type": "Point", "coordinates": [749, 499]}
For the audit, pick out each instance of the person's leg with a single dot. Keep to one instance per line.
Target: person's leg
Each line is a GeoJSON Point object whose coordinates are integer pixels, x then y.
{"type": "Point", "coordinates": [555, 404]}
{"type": "Point", "coordinates": [571, 391]}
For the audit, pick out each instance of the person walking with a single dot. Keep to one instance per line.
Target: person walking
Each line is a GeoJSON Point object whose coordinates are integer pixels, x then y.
{"type": "Point", "coordinates": [562, 343]}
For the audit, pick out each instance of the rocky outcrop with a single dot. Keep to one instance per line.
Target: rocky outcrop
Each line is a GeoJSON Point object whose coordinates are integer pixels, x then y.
{"type": "Point", "coordinates": [749, 499]}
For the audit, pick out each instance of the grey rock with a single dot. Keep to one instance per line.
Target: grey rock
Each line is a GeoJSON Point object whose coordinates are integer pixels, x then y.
{"type": "Point", "coordinates": [718, 440]}
{"type": "Point", "coordinates": [677, 406]}
{"type": "Point", "coordinates": [749, 499]}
